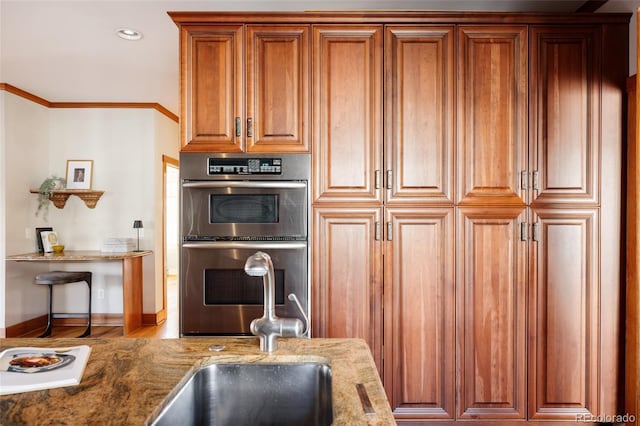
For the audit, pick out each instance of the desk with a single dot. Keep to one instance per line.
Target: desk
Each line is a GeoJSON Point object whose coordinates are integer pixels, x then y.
{"type": "Point", "coordinates": [131, 276]}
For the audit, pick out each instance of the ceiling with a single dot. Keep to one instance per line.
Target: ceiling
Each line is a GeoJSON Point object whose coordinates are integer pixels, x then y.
{"type": "Point", "coordinates": [67, 51]}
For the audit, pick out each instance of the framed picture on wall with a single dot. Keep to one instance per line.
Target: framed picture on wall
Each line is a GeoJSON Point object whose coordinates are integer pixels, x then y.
{"type": "Point", "coordinates": [79, 174]}
{"type": "Point", "coordinates": [39, 232]}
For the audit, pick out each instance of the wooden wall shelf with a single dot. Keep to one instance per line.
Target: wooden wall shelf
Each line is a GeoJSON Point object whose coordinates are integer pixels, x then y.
{"type": "Point", "coordinates": [59, 197]}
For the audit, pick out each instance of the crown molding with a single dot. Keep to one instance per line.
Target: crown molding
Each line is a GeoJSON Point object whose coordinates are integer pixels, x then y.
{"type": "Point", "coordinates": [41, 101]}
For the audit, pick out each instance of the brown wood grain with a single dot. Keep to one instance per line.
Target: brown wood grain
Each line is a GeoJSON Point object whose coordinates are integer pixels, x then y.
{"type": "Point", "coordinates": [347, 113]}
{"type": "Point", "coordinates": [212, 87]}
{"type": "Point", "coordinates": [565, 107]}
{"type": "Point", "coordinates": [419, 314]}
{"type": "Point", "coordinates": [419, 114]}
{"type": "Point", "coordinates": [491, 282]}
{"type": "Point", "coordinates": [492, 118]}
{"type": "Point", "coordinates": [347, 276]}
{"type": "Point", "coordinates": [278, 88]}
{"type": "Point", "coordinates": [564, 302]}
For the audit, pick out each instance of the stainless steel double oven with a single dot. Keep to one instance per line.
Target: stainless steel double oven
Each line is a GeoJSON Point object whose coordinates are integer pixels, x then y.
{"type": "Point", "coordinates": [233, 205]}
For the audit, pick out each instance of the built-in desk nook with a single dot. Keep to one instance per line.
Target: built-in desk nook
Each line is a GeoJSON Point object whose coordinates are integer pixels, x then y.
{"type": "Point", "coordinates": [131, 276]}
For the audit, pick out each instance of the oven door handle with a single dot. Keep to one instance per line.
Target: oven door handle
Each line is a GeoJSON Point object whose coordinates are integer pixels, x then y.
{"type": "Point", "coordinates": [244, 184]}
{"type": "Point", "coordinates": [258, 245]}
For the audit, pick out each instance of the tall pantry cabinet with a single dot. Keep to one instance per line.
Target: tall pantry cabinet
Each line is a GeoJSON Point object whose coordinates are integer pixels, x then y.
{"type": "Point", "coordinates": [466, 191]}
{"type": "Point", "coordinates": [498, 299]}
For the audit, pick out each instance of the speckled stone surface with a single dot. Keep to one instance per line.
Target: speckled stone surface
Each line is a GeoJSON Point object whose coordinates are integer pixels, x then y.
{"type": "Point", "coordinates": [75, 256]}
{"type": "Point", "coordinates": [126, 381]}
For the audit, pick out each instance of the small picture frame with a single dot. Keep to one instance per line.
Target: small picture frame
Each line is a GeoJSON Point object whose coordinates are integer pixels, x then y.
{"type": "Point", "coordinates": [49, 239]}
{"type": "Point", "coordinates": [39, 231]}
{"type": "Point", "coordinates": [79, 174]}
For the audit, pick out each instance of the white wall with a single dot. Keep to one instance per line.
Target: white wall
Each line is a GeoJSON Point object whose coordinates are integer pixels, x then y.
{"type": "Point", "coordinates": [2, 215]}
{"type": "Point", "coordinates": [26, 135]}
{"type": "Point", "coordinates": [126, 146]}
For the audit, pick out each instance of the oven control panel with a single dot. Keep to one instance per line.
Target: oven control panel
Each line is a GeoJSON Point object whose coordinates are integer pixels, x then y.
{"type": "Point", "coordinates": [245, 166]}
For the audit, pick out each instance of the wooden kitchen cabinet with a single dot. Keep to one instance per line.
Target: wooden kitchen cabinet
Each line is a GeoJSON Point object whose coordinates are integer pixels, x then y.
{"type": "Point", "coordinates": [564, 304]}
{"type": "Point", "coordinates": [565, 114]}
{"type": "Point", "coordinates": [347, 275]}
{"type": "Point", "coordinates": [224, 112]}
{"type": "Point", "coordinates": [465, 190]}
{"type": "Point", "coordinates": [419, 314]}
{"type": "Point", "coordinates": [347, 113]}
{"type": "Point", "coordinates": [491, 291]}
{"type": "Point", "coordinates": [419, 114]}
{"type": "Point", "coordinates": [492, 114]}
{"type": "Point", "coordinates": [212, 87]}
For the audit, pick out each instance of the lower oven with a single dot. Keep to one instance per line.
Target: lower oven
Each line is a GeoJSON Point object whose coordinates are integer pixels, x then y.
{"type": "Point", "coordinates": [219, 298]}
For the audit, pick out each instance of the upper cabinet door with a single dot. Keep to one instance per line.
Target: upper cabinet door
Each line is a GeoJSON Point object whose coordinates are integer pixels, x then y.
{"type": "Point", "coordinates": [419, 81]}
{"type": "Point", "coordinates": [347, 113]}
{"type": "Point", "coordinates": [565, 112]}
{"type": "Point", "coordinates": [277, 88]}
{"type": "Point", "coordinates": [492, 114]}
{"type": "Point", "coordinates": [212, 87]}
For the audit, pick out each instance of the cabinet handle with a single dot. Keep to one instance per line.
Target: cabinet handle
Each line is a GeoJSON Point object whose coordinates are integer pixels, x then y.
{"type": "Point", "coordinates": [249, 127]}
{"type": "Point", "coordinates": [536, 231]}
{"type": "Point", "coordinates": [523, 231]}
{"type": "Point", "coordinates": [377, 231]}
{"type": "Point", "coordinates": [389, 179]}
{"type": "Point", "coordinates": [389, 231]}
{"type": "Point", "coordinates": [535, 180]}
{"type": "Point", "coordinates": [377, 178]}
{"type": "Point", "coordinates": [238, 127]}
{"type": "Point", "coordinates": [524, 179]}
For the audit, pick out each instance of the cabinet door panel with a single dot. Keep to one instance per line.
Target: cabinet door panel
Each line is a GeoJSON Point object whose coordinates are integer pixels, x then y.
{"type": "Point", "coordinates": [212, 90]}
{"type": "Point", "coordinates": [492, 114]}
{"type": "Point", "coordinates": [347, 146]}
{"type": "Point", "coordinates": [419, 313]}
{"type": "Point", "coordinates": [278, 88]}
{"type": "Point", "coordinates": [563, 303]}
{"type": "Point", "coordinates": [346, 280]}
{"type": "Point", "coordinates": [419, 113]}
{"type": "Point", "coordinates": [565, 104]}
{"type": "Point", "coordinates": [491, 287]}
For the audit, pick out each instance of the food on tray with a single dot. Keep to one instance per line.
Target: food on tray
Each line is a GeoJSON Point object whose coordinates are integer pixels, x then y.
{"type": "Point", "coordinates": [35, 361]}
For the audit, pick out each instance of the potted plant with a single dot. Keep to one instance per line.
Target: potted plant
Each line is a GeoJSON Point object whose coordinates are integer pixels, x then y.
{"type": "Point", "coordinates": [44, 193]}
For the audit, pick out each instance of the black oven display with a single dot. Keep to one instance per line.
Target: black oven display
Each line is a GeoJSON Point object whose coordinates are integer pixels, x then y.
{"type": "Point", "coordinates": [243, 208]}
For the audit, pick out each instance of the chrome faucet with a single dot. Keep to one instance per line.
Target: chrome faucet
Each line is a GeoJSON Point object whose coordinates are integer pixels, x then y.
{"type": "Point", "coordinates": [269, 327]}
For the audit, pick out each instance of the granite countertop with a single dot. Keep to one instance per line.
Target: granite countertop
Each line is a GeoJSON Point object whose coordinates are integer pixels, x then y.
{"type": "Point", "coordinates": [126, 380]}
{"type": "Point", "coordinates": [76, 255]}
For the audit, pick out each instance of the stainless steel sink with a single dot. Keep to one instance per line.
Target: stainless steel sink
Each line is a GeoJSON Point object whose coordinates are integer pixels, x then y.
{"type": "Point", "coordinates": [252, 394]}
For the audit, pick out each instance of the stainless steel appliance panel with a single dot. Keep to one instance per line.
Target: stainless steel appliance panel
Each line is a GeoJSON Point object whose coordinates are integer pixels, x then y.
{"type": "Point", "coordinates": [218, 297]}
{"type": "Point", "coordinates": [244, 209]}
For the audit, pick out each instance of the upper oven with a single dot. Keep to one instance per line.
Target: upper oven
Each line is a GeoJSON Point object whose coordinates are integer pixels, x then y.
{"type": "Point", "coordinates": [238, 197]}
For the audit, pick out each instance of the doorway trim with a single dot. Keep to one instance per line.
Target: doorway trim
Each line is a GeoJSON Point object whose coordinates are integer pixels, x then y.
{"type": "Point", "coordinates": [166, 163]}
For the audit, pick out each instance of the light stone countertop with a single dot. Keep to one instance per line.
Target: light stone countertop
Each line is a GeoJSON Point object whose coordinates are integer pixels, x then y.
{"type": "Point", "coordinates": [127, 380]}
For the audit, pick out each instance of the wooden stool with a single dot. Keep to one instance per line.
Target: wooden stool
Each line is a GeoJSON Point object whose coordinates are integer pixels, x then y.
{"type": "Point", "coordinates": [64, 277]}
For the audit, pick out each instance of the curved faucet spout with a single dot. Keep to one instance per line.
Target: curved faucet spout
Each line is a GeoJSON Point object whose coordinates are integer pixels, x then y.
{"type": "Point", "coordinates": [270, 326]}
{"type": "Point", "coordinates": [259, 265]}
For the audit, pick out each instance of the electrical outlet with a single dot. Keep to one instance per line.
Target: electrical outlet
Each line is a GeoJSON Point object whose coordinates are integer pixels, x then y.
{"type": "Point", "coordinates": [100, 293]}
{"type": "Point", "coordinates": [27, 233]}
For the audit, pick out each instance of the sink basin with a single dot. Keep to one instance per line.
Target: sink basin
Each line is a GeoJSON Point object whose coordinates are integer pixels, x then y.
{"type": "Point", "coordinates": [252, 394]}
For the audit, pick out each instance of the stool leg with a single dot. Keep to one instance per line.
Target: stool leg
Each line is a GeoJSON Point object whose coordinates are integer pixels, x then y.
{"type": "Point", "coordinates": [47, 331]}
{"type": "Point", "coordinates": [87, 332]}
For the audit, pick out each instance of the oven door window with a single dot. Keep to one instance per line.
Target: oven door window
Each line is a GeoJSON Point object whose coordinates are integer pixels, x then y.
{"type": "Point", "coordinates": [243, 208]}
{"type": "Point", "coordinates": [235, 287]}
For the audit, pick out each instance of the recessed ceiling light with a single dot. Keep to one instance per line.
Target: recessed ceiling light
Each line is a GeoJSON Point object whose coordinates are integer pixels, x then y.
{"type": "Point", "coordinates": [128, 34]}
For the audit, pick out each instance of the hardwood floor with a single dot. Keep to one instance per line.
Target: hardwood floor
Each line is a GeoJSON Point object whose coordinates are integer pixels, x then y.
{"type": "Point", "coordinates": [168, 330]}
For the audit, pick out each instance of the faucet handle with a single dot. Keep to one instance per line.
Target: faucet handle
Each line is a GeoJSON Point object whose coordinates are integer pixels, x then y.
{"type": "Point", "coordinates": [294, 299]}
